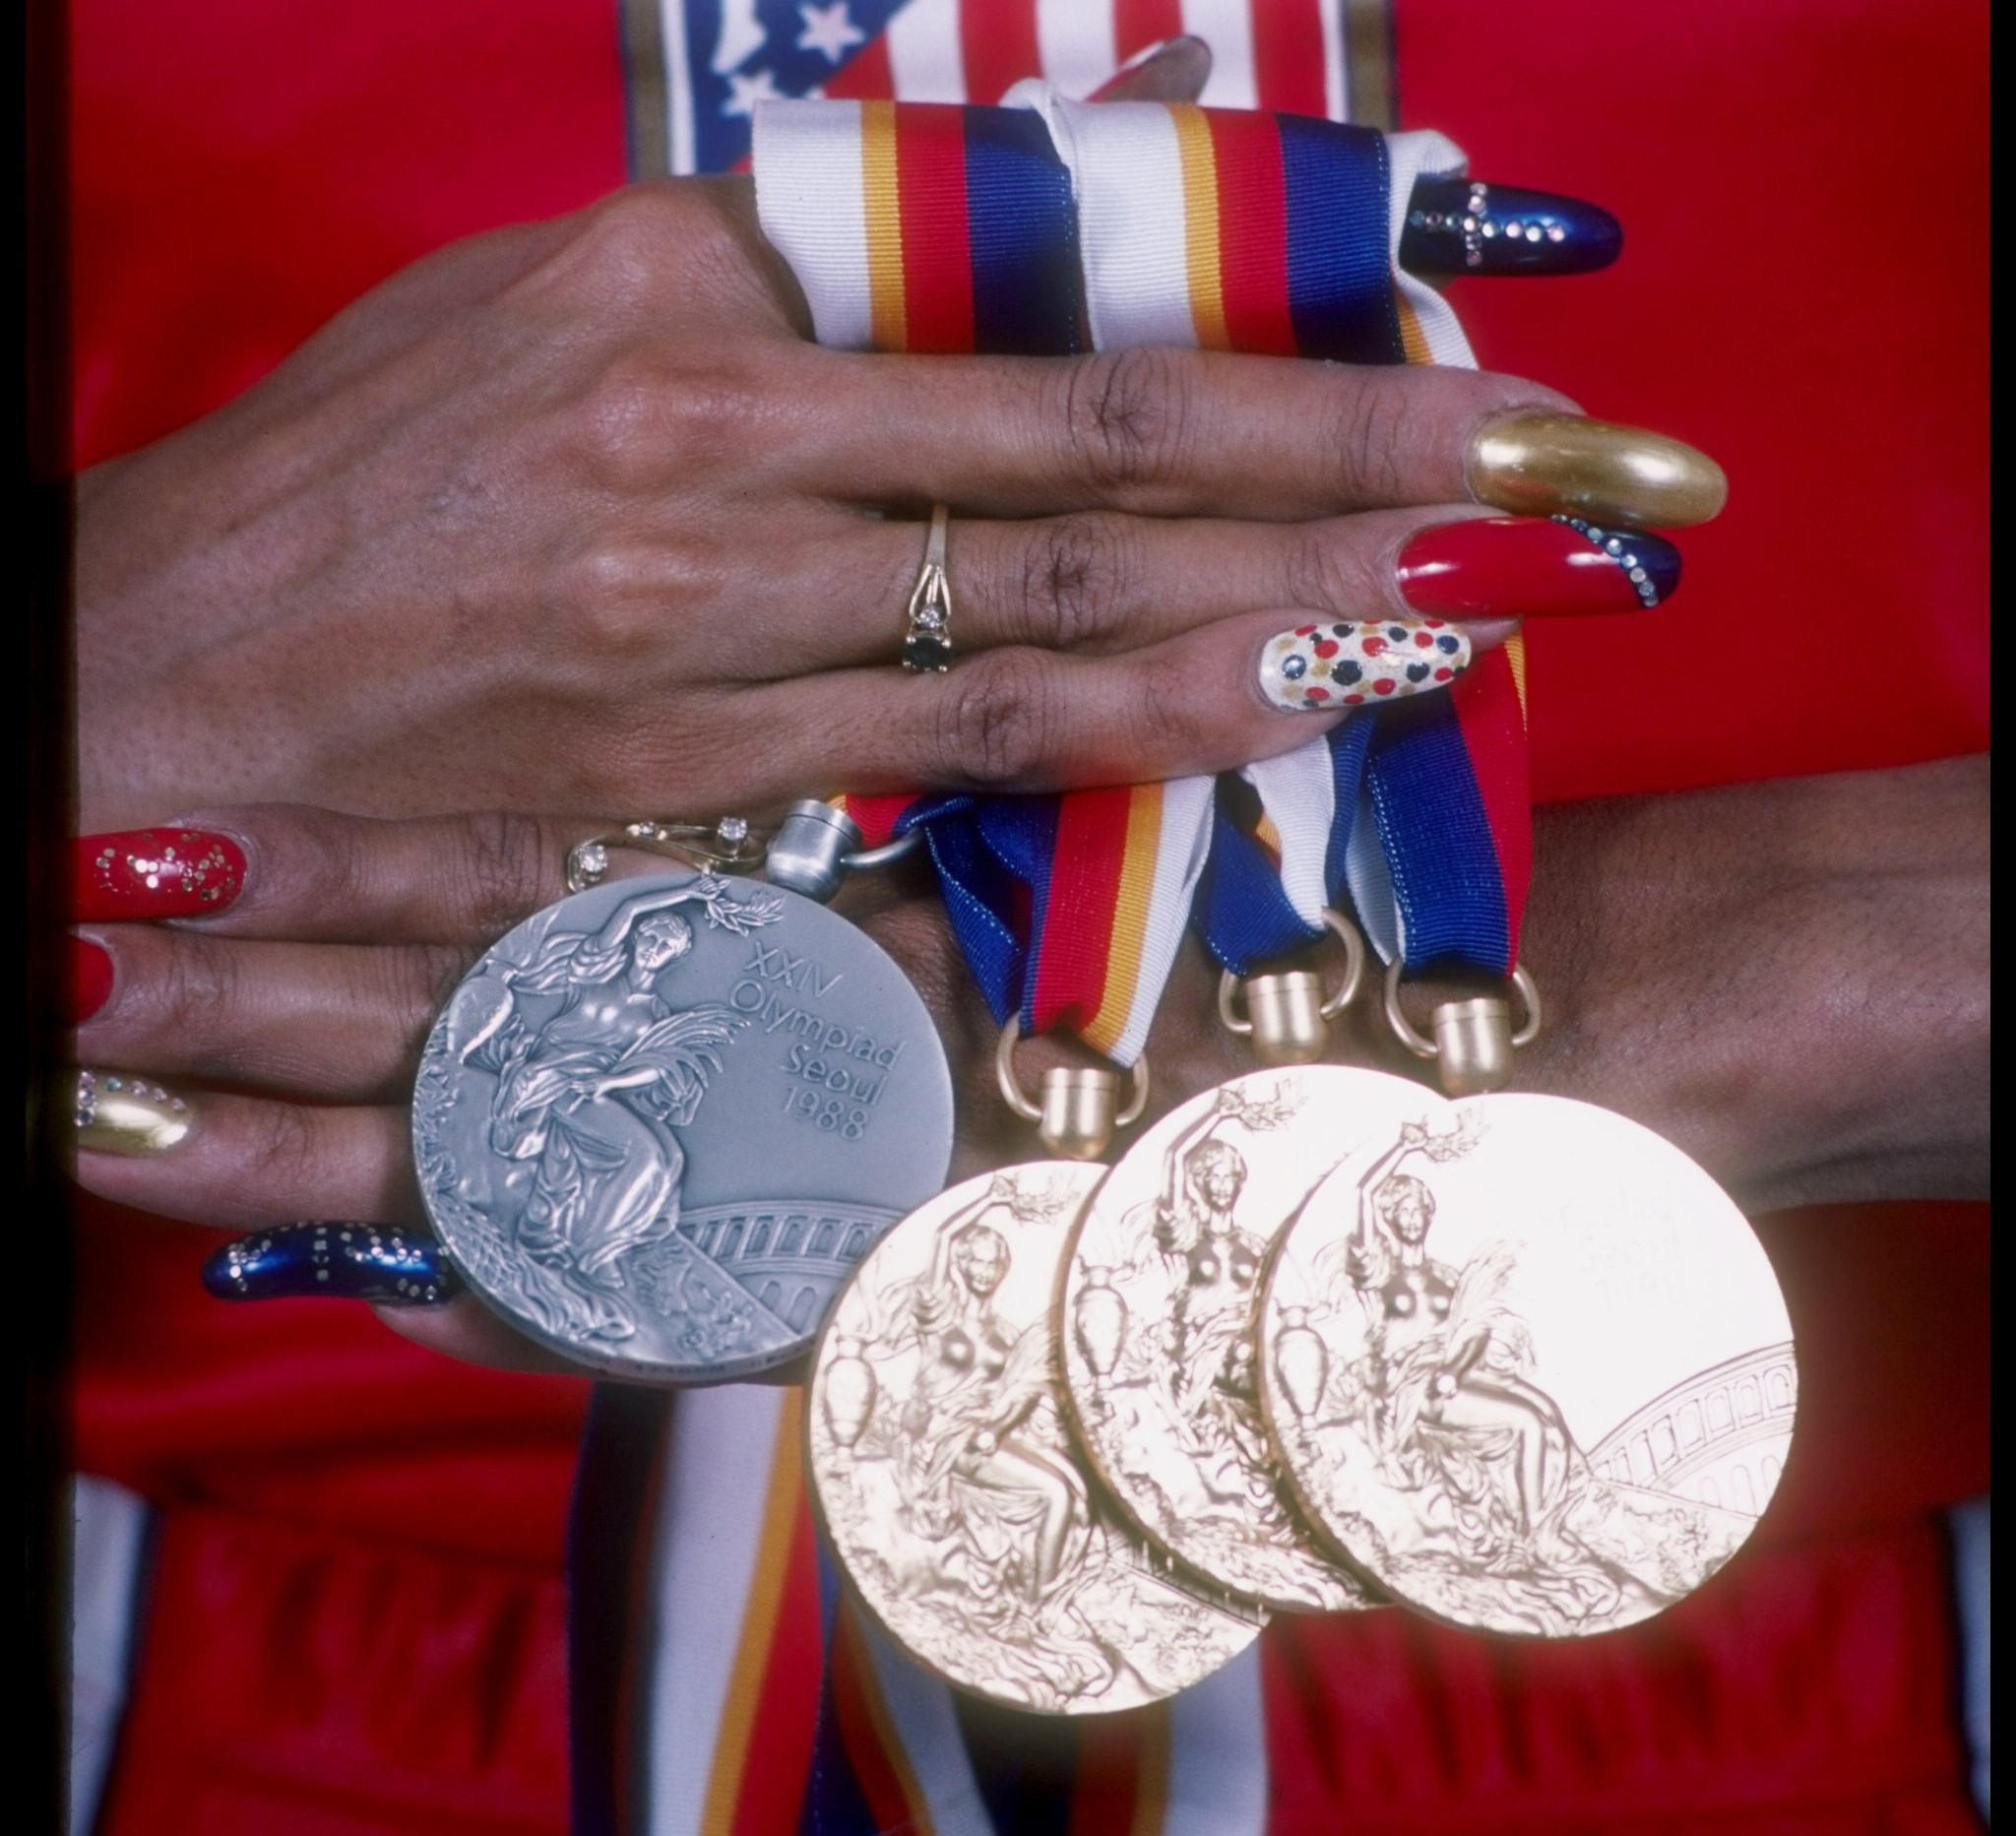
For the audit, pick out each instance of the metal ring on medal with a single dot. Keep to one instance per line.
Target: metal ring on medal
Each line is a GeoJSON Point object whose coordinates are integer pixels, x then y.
{"type": "Point", "coordinates": [949, 1486]}
{"type": "Point", "coordinates": [1159, 1312]}
{"type": "Point", "coordinates": [1527, 1365]}
{"type": "Point", "coordinates": [658, 1124]}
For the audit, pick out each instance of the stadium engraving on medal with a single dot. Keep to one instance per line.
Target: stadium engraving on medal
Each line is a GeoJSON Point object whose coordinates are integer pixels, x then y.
{"type": "Point", "coordinates": [658, 1123]}
{"type": "Point", "coordinates": [1527, 1365]}
{"type": "Point", "coordinates": [1160, 1308]}
{"type": "Point", "coordinates": [949, 1486]}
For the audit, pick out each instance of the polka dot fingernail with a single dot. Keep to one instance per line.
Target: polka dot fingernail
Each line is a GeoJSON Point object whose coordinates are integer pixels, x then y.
{"type": "Point", "coordinates": [1317, 669]}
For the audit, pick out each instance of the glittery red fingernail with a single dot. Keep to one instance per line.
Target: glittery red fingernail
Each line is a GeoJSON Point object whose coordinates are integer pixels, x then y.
{"type": "Point", "coordinates": [91, 979]}
{"type": "Point", "coordinates": [155, 873]}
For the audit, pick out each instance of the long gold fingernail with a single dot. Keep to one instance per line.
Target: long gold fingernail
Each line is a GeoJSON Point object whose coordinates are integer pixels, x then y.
{"type": "Point", "coordinates": [1547, 465]}
{"type": "Point", "coordinates": [121, 1114]}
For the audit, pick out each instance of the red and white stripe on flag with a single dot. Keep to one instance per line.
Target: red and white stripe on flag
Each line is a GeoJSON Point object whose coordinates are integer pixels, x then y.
{"type": "Point", "coordinates": [1290, 55]}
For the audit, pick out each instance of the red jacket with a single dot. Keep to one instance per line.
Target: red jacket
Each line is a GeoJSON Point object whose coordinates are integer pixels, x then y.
{"type": "Point", "coordinates": [353, 1617]}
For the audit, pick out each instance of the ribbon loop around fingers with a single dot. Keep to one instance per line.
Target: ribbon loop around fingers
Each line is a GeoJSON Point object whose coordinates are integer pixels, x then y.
{"type": "Point", "coordinates": [1045, 226]}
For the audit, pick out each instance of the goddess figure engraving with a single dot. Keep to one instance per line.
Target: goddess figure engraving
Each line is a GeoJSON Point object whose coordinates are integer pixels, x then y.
{"type": "Point", "coordinates": [593, 1097]}
{"type": "Point", "coordinates": [1437, 1456]}
{"type": "Point", "coordinates": [1444, 1351]}
{"type": "Point", "coordinates": [947, 1479]}
{"type": "Point", "coordinates": [1213, 1262]}
{"type": "Point", "coordinates": [982, 1444]}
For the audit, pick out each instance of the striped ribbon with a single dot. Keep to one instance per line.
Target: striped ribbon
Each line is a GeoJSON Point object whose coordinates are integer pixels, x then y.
{"type": "Point", "coordinates": [922, 227]}
{"type": "Point", "coordinates": [926, 228]}
{"type": "Point", "coordinates": [1214, 230]}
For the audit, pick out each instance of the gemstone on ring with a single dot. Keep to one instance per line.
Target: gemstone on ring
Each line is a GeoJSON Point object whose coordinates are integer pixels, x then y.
{"type": "Point", "coordinates": [928, 640]}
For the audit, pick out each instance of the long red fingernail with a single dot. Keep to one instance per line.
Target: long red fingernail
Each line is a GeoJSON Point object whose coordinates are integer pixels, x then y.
{"type": "Point", "coordinates": [91, 979]}
{"type": "Point", "coordinates": [1531, 567]}
{"type": "Point", "coordinates": [155, 873]}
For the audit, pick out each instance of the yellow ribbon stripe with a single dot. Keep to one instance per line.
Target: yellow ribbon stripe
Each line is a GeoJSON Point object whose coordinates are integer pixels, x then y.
{"type": "Point", "coordinates": [888, 316]}
{"type": "Point", "coordinates": [1200, 225]}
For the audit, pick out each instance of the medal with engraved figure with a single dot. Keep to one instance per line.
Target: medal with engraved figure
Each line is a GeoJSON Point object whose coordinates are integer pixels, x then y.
{"type": "Point", "coordinates": [1159, 1323]}
{"type": "Point", "coordinates": [948, 1483]}
{"type": "Point", "coordinates": [660, 1122]}
{"type": "Point", "coordinates": [1527, 1365]}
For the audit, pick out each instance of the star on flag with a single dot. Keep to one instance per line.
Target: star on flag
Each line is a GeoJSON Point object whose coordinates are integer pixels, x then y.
{"type": "Point", "coordinates": [747, 88]}
{"type": "Point", "coordinates": [829, 31]}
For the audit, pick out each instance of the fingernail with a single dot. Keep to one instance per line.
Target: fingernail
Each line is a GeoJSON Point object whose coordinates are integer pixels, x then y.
{"type": "Point", "coordinates": [91, 979]}
{"type": "Point", "coordinates": [1541, 465]}
{"type": "Point", "coordinates": [121, 1114]}
{"type": "Point", "coordinates": [1314, 669]}
{"type": "Point", "coordinates": [1534, 567]}
{"type": "Point", "coordinates": [378, 1262]}
{"type": "Point", "coordinates": [1147, 51]}
{"type": "Point", "coordinates": [1464, 225]}
{"type": "Point", "coordinates": [155, 873]}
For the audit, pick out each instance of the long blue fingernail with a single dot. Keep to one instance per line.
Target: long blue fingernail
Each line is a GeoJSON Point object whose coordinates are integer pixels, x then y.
{"type": "Point", "coordinates": [348, 1261]}
{"type": "Point", "coordinates": [1464, 225]}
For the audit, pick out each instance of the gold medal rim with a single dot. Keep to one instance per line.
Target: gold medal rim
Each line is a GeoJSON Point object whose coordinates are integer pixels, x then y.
{"type": "Point", "coordinates": [1319, 1546]}
{"type": "Point", "coordinates": [815, 1480]}
{"type": "Point", "coordinates": [1313, 1515]}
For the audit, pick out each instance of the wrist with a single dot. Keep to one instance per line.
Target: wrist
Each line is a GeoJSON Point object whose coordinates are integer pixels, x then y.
{"type": "Point", "coordinates": [1786, 979]}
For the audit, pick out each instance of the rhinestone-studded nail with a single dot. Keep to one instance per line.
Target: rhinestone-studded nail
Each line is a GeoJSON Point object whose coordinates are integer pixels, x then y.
{"type": "Point", "coordinates": [345, 1261]}
{"type": "Point", "coordinates": [119, 1114]}
{"type": "Point", "coordinates": [1464, 225]}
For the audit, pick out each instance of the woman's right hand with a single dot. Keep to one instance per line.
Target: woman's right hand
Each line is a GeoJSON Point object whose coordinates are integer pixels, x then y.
{"type": "Point", "coordinates": [571, 516]}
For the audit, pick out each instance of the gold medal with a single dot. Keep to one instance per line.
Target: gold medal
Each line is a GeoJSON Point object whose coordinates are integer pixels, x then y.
{"type": "Point", "coordinates": [948, 1484]}
{"type": "Point", "coordinates": [1158, 1321]}
{"type": "Point", "coordinates": [1527, 1366]}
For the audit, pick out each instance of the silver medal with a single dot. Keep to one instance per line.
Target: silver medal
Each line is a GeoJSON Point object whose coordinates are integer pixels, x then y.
{"type": "Point", "coordinates": [659, 1123]}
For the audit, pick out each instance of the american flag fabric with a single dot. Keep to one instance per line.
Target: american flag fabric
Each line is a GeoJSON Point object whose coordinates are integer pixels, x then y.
{"type": "Point", "coordinates": [700, 67]}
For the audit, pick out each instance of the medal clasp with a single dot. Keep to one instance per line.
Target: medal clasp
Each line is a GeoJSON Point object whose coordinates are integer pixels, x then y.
{"type": "Point", "coordinates": [1077, 1107]}
{"type": "Point", "coordinates": [1474, 1038]}
{"type": "Point", "coordinates": [1287, 1015]}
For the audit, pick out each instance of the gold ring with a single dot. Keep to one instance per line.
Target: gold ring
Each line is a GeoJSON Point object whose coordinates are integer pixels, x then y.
{"type": "Point", "coordinates": [927, 642]}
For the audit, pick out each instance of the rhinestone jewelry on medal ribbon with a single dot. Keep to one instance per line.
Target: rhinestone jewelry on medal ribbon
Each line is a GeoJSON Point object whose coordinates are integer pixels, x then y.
{"type": "Point", "coordinates": [660, 1122]}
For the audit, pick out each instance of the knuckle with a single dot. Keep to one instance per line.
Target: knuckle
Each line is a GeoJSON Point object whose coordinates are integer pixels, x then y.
{"type": "Point", "coordinates": [712, 413]}
{"type": "Point", "coordinates": [994, 726]}
{"type": "Point", "coordinates": [283, 1154]}
{"type": "Point", "coordinates": [1125, 416]}
{"type": "Point", "coordinates": [630, 602]}
{"type": "Point", "coordinates": [1372, 435]}
{"type": "Point", "coordinates": [499, 870]}
{"type": "Point", "coordinates": [184, 991]}
{"type": "Point", "coordinates": [1315, 574]}
{"type": "Point", "coordinates": [401, 991]}
{"type": "Point", "coordinates": [1074, 582]}
{"type": "Point", "coordinates": [646, 422]}
{"type": "Point", "coordinates": [624, 240]}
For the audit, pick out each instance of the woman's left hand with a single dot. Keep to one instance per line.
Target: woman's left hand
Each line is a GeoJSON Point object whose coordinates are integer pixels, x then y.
{"type": "Point", "coordinates": [1787, 978]}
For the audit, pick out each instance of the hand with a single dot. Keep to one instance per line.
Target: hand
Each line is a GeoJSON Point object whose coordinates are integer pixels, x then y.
{"type": "Point", "coordinates": [570, 517]}
{"type": "Point", "coordinates": [1787, 978]}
